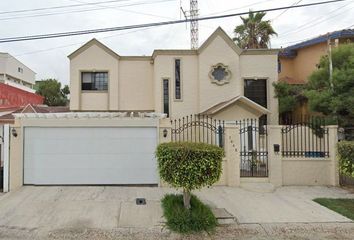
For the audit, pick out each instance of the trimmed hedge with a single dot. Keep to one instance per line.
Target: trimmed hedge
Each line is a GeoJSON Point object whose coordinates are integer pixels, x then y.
{"type": "Point", "coordinates": [189, 165]}
{"type": "Point", "coordinates": [179, 219]}
{"type": "Point", "coordinates": [346, 157]}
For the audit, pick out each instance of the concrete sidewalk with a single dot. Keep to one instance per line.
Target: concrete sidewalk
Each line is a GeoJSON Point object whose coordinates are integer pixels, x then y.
{"type": "Point", "coordinates": [284, 205]}
{"type": "Point", "coordinates": [106, 209]}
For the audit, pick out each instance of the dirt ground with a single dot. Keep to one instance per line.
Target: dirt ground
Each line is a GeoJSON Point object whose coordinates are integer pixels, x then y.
{"type": "Point", "coordinates": [342, 231]}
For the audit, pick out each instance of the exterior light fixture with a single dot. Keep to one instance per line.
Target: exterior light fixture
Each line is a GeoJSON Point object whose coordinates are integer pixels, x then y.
{"type": "Point", "coordinates": [14, 132]}
{"type": "Point", "coordinates": [165, 133]}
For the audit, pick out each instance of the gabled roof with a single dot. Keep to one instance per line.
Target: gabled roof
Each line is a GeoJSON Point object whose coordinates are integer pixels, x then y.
{"type": "Point", "coordinates": [221, 33]}
{"type": "Point", "coordinates": [90, 43]}
{"type": "Point", "coordinates": [220, 106]}
{"type": "Point", "coordinates": [291, 51]}
{"type": "Point", "coordinates": [218, 32]}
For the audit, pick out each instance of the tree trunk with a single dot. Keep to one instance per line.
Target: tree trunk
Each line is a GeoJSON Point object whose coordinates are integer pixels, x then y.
{"type": "Point", "coordinates": [186, 198]}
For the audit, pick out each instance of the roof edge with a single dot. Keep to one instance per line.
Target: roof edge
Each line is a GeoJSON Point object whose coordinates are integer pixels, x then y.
{"type": "Point", "coordinates": [90, 43]}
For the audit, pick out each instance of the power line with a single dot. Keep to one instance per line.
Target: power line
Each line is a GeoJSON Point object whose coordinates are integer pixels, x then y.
{"type": "Point", "coordinates": [307, 39]}
{"type": "Point", "coordinates": [100, 30]}
{"type": "Point", "coordinates": [238, 8]}
{"type": "Point", "coordinates": [294, 4]}
{"type": "Point", "coordinates": [77, 43]}
{"type": "Point", "coordinates": [82, 10]}
{"type": "Point", "coordinates": [315, 21]}
{"type": "Point", "coordinates": [61, 7]}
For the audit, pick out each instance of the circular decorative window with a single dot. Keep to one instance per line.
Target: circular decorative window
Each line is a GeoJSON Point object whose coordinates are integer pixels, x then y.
{"type": "Point", "coordinates": [219, 74]}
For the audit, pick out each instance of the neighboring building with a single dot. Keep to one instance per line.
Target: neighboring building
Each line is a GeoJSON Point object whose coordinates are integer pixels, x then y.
{"type": "Point", "coordinates": [15, 73]}
{"type": "Point", "coordinates": [297, 62]}
{"type": "Point", "coordinates": [7, 117]}
{"type": "Point", "coordinates": [15, 97]}
{"type": "Point", "coordinates": [219, 79]}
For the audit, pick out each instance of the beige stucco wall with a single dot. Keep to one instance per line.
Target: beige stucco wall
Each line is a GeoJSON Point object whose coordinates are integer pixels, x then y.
{"type": "Point", "coordinates": [237, 111]}
{"type": "Point", "coordinates": [93, 59]}
{"type": "Point", "coordinates": [91, 101]}
{"type": "Point", "coordinates": [136, 84]}
{"type": "Point", "coordinates": [307, 172]}
{"type": "Point", "coordinates": [164, 68]}
{"type": "Point", "coordinates": [210, 94]}
{"type": "Point", "coordinates": [263, 67]}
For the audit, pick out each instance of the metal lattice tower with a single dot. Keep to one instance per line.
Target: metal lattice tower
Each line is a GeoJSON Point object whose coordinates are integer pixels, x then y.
{"type": "Point", "coordinates": [194, 12]}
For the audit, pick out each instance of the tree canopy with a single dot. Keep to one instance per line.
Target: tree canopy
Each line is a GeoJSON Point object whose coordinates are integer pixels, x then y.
{"type": "Point", "coordinates": [333, 98]}
{"type": "Point", "coordinates": [52, 92]}
{"type": "Point", "coordinates": [336, 98]}
{"type": "Point", "coordinates": [254, 32]}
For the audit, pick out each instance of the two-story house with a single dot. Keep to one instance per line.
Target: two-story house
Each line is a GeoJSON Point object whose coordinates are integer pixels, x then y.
{"type": "Point", "coordinates": [218, 79]}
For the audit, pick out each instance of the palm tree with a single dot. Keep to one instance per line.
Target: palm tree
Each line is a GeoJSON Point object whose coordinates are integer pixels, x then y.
{"type": "Point", "coordinates": [254, 32]}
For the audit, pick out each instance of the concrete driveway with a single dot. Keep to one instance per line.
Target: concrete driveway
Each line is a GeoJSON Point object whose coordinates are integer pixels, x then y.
{"type": "Point", "coordinates": [114, 207]}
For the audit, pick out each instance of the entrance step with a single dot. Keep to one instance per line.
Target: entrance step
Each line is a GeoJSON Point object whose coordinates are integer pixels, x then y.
{"type": "Point", "coordinates": [223, 216]}
{"type": "Point", "coordinates": [261, 187]}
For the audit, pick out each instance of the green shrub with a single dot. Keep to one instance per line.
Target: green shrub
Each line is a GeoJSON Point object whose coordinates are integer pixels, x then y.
{"type": "Point", "coordinates": [182, 220]}
{"type": "Point", "coordinates": [346, 157]}
{"type": "Point", "coordinates": [189, 165]}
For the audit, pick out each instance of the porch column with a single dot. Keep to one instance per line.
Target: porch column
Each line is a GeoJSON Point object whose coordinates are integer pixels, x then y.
{"type": "Point", "coordinates": [232, 155]}
{"type": "Point", "coordinates": [274, 158]}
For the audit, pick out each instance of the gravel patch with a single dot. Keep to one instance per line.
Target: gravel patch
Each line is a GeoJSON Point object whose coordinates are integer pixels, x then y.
{"type": "Point", "coordinates": [302, 231]}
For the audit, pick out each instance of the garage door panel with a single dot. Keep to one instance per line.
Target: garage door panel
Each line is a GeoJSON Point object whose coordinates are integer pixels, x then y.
{"type": "Point", "coordinates": [93, 160]}
{"type": "Point", "coordinates": [92, 146]}
{"type": "Point", "coordinates": [90, 155]}
{"type": "Point", "coordinates": [91, 176]}
{"type": "Point", "coordinates": [92, 132]}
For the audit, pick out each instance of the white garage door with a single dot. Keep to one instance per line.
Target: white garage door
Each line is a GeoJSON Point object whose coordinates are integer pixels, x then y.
{"type": "Point", "coordinates": [90, 155]}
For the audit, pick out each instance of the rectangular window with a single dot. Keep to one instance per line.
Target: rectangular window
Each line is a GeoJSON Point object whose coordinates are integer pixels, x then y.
{"type": "Point", "coordinates": [178, 79]}
{"type": "Point", "coordinates": [94, 81]}
{"type": "Point", "coordinates": [166, 97]}
{"type": "Point", "coordinates": [256, 90]}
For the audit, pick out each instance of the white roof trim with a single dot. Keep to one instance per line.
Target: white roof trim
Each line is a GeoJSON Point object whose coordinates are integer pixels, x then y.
{"type": "Point", "coordinates": [87, 115]}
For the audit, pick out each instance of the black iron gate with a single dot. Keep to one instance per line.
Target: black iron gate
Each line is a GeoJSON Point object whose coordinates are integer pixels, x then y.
{"type": "Point", "coordinates": [198, 128]}
{"type": "Point", "coordinates": [254, 148]}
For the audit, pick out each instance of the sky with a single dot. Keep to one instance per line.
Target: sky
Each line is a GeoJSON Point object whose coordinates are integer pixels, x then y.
{"type": "Point", "coordinates": [48, 58]}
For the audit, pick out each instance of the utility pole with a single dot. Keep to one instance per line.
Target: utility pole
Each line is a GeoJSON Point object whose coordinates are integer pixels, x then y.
{"type": "Point", "coordinates": [329, 45]}
{"type": "Point", "coordinates": [193, 14]}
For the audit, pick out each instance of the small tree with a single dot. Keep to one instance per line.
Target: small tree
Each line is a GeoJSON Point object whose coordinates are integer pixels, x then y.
{"type": "Point", "coordinates": [52, 92]}
{"type": "Point", "coordinates": [189, 166]}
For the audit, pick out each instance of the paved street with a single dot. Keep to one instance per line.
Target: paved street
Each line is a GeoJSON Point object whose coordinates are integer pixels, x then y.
{"type": "Point", "coordinates": [111, 213]}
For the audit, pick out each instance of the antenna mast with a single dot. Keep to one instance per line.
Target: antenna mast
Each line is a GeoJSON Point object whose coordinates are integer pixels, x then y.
{"type": "Point", "coordinates": [194, 12]}
{"type": "Point", "coordinates": [193, 16]}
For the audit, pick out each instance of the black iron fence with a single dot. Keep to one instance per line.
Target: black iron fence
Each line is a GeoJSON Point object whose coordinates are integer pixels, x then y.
{"type": "Point", "coordinates": [305, 137]}
{"type": "Point", "coordinates": [253, 148]}
{"type": "Point", "coordinates": [198, 128]}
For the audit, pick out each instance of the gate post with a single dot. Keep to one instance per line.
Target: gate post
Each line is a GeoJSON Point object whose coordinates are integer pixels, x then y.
{"type": "Point", "coordinates": [332, 146]}
{"type": "Point", "coordinates": [232, 155]}
{"type": "Point", "coordinates": [164, 131]}
{"type": "Point", "coordinates": [274, 158]}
